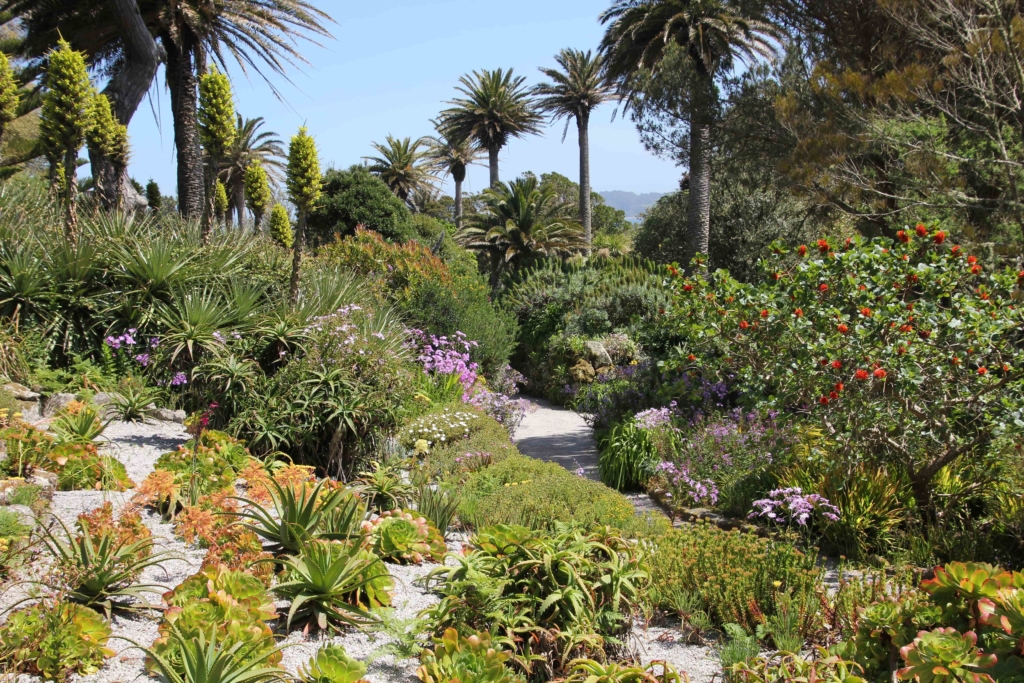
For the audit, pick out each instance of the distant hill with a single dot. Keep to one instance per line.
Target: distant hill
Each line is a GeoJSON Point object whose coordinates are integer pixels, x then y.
{"type": "Point", "coordinates": [632, 203]}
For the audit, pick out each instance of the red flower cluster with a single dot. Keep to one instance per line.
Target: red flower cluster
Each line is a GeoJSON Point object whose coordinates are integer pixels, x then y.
{"type": "Point", "coordinates": [921, 230]}
{"type": "Point", "coordinates": [822, 287]}
{"type": "Point", "coordinates": [902, 236]}
{"type": "Point", "coordinates": [866, 312]}
{"type": "Point", "coordinates": [799, 312]}
{"type": "Point", "coordinates": [983, 370]}
{"type": "Point", "coordinates": [802, 250]}
{"type": "Point", "coordinates": [687, 288]}
{"type": "Point", "coordinates": [764, 313]}
{"type": "Point", "coordinates": [837, 364]}
{"type": "Point", "coordinates": [843, 329]}
{"type": "Point", "coordinates": [744, 324]}
{"type": "Point", "coordinates": [861, 375]}
{"type": "Point", "coordinates": [939, 237]}
{"type": "Point", "coordinates": [823, 246]}
{"type": "Point", "coordinates": [976, 269]}
{"type": "Point", "coordinates": [880, 373]}
{"type": "Point", "coordinates": [972, 260]}
{"type": "Point", "coordinates": [823, 400]}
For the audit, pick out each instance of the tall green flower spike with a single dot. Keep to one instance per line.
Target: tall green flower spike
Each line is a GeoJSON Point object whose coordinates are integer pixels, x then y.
{"type": "Point", "coordinates": [216, 114]}
{"type": "Point", "coordinates": [257, 191]}
{"type": "Point", "coordinates": [9, 96]}
{"type": "Point", "coordinates": [304, 189]}
{"type": "Point", "coordinates": [106, 134]}
{"type": "Point", "coordinates": [281, 226]}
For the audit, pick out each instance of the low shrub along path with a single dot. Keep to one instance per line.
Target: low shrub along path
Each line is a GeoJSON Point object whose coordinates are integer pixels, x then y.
{"type": "Point", "coordinates": [562, 436]}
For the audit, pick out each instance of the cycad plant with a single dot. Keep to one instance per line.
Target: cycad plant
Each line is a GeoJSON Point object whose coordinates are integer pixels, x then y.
{"type": "Point", "coordinates": [217, 133]}
{"type": "Point", "coordinates": [304, 190]}
{"type": "Point", "coordinates": [576, 88]}
{"type": "Point", "coordinates": [495, 107]}
{"type": "Point", "coordinates": [64, 120]}
{"type": "Point", "coordinates": [714, 34]}
{"type": "Point", "coordinates": [401, 164]}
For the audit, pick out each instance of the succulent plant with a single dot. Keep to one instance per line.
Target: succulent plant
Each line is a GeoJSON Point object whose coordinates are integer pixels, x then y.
{"type": "Point", "coordinates": [331, 664]}
{"type": "Point", "coordinates": [55, 640]}
{"type": "Point", "coordinates": [945, 656]}
{"type": "Point", "coordinates": [467, 660]}
{"type": "Point", "coordinates": [241, 587]}
{"type": "Point", "coordinates": [405, 537]}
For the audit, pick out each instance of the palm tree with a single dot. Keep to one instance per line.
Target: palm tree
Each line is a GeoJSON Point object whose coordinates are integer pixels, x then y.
{"type": "Point", "coordinates": [520, 222]}
{"type": "Point", "coordinates": [576, 90]}
{"type": "Point", "coordinates": [402, 166]}
{"type": "Point", "coordinates": [714, 34]}
{"type": "Point", "coordinates": [251, 144]}
{"type": "Point", "coordinates": [495, 109]}
{"type": "Point", "coordinates": [254, 33]}
{"type": "Point", "coordinates": [452, 156]}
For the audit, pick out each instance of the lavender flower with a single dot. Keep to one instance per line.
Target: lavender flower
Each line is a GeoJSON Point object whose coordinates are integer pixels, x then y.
{"type": "Point", "coordinates": [179, 379]}
{"type": "Point", "coordinates": [793, 505]}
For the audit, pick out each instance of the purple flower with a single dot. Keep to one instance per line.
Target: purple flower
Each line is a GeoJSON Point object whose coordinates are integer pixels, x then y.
{"type": "Point", "coordinates": [142, 359]}
{"type": "Point", "coordinates": [113, 342]}
{"type": "Point", "coordinates": [179, 379]}
{"type": "Point", "coordinates": [154, 342]}
{"type": "Point", "coordinates": [793, 505]}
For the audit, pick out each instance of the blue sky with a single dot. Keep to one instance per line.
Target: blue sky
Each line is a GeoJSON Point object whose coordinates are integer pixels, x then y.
{"type": "Point", "coordinates": [389, 69]}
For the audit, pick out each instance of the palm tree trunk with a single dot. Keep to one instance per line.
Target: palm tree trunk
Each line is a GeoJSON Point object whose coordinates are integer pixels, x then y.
{"type": "Point", "coordinates": [458, 204]}
{"type": "Point", "coordinates": [300, 239]}
{"type": "Point", "coordinates": [492, 162]}
{"type": "Point", "coordinates": [183, 84]}
{"type": "Point", "coordinates": [238, 202]}
{"type": "Point", "coordinates": [583, 124]}
{"type": "Point", "coordinates": [699, 214]}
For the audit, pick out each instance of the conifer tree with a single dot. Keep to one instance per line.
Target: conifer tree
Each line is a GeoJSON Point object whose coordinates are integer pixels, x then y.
{"type": "Point", "coordinates": [153, 197]}
{"type": "Point", "coordinates": [281, 226]}
{"type": "Point", "coordinates": [216, 132]}
{"type": "Point", "coordinates": [220, 201]}
{"type": "Point", "coordinates": [304, 190]}
{"type": "Point", "coordinates": [64, 120]}
{"type": "Point", "coordinates": [257, 193]}
{"type": "Point", "coordinates": [107, 139]}
{"type": "Point", "coordinates": [9, 96]}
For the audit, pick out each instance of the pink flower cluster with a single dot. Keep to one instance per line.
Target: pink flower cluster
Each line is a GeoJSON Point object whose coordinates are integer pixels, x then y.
{"type": "Point", "coordinates": [447, 356]}
{"type": "Point", "coordinates": [697, 491]}
{"type": "Point", "coordinates": [793, 505]}
{"type": "Point", "coordinates": [655, 417]}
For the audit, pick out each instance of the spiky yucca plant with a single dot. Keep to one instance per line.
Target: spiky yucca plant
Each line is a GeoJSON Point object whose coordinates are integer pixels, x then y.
{"type": "Point", "coordinates": [217, 133]}
{"type": "Point", "coordinates": [257, 193]}
{"type": "Point", "coordinates": [205, 660]}
{"type": "Point", "coordinates": [64, 120]}
{"type": "Point", "coordinates": [304, 190]}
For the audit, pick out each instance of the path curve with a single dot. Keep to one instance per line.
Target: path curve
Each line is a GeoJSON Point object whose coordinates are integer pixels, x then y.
{"type": "Point", "coordinates": [557, 435]}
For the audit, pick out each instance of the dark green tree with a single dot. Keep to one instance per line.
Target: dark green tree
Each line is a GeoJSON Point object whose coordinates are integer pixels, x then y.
{"type": "Point", "coordinates": [357, 197]}
{"type": "Point", "coordinates": [153, 198]}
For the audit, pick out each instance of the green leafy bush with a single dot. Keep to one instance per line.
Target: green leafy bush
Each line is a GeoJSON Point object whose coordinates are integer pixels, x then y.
{"type": "Point", "coordinates": [523, 490]}
{"type": "Point", "coordinates": [55, 640]}
{"type": "Point", "coordinates": [356, 197]}
{"type": "Point", "coordinates": [470, 659]}
{"type": "Point", "coordinates": [732, 573]}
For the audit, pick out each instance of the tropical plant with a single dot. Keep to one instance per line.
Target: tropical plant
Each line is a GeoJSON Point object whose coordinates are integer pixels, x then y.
{"type": "Point", "coordinates": [496, 107]}
{"type": "Point", "coordinates": [257, 197]}
{"type": "Point", "coordinates": [64, 121]}
{"type": "Point", "coordinates": [108, 140]}
{"type": "Point", "coordinates": [281, 226]}
{"type": "Point", "coordinates": [78, 424]}
{"type": "Point", "coordinates": [402, 166]}
{"type": "Point", "coordinates": [575, 90]}
{"type": "Point", "coordinates": [331, 664]}
{"type": "Point", "coordinates": [384, 488]}
{"type": "Point", "coordinates": [134, 400]}
{"type": "Point", "coordinates": [471, 659]}
{"type": "Point", "coordinates": [204, 658]}
{"type": "Point", "coordinates": [452, 156]}
{"type": "Point", "coordinates": [298, 514]}
{"type": "Point", "coordinates": [216, 117]}
{"type": "Point", "coordinates": [519, 223]}
{"type": "Point", "coordinates": [303, 190]}
{"type": "Point", "coordinates": [405, 538]}
{"type": "Point", "coordinates": [438, 506]}
{"type": "Point", "coordinates": [55, 639]}
{"type": "Point", "coordinates": [322, 583]}
{"type": "Point", "coordinates": [714, 35]}
{"type": "Point", "coordinates": [252, 149]}
{"type": "Point", "coordinates": [945, 656]}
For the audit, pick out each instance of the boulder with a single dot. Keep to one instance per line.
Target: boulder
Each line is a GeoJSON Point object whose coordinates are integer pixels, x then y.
{"type": "Point", "coordinates": [43, 479]}
{"type": "Point", "coordinates": [597, 354]}
{"type": "Point", "coordinates": [583, 372]}
{"type": "Point", "coordinates": [25, 514]}
{"type": "Point", "coordinates": [168, 415]}
{"type": "Point", "coordinates": [57, 403]}
{"type": "Point", "coordinates": [21, 392]}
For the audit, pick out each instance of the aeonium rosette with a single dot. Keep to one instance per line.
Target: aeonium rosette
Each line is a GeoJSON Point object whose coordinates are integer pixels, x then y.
{"type": "Point", "coordinates": [905, 351]}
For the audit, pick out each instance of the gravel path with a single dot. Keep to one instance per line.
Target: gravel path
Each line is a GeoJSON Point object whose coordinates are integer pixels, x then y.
{"type": "Point", "coordinates": [557, 435]}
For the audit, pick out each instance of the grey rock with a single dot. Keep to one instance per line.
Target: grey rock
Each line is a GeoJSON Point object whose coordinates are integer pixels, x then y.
{"type": "Point", "coordinates": [44, 479]}
{"type": "Point", "coordinates": [25, 514]}
{"type": "Point", "coordinates": [597, 354]}
{"type": "Point", "coordinates": [103, 399]}
{"type": "Point", "coordinates": [168, 415]}
{"type": "Point", "coordinates": [21, 392]}
{"type": "Point", "coordinates": [56, 403]}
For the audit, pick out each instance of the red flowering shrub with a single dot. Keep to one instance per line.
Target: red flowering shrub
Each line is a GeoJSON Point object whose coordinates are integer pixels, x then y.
{"type": "Point", "coordinates": [918, 326]}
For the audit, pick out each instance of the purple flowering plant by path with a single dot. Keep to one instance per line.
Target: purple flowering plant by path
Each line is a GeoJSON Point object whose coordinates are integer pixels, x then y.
{"type": "Point", "coordinates": [683, 489]}
{"type": "Point", "coordinates": [793, 506]}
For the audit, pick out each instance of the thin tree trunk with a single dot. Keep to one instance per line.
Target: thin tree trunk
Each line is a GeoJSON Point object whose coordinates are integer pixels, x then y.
{"type": "Point", "coordinates": [492, 162]}
{"type": "Point", "coordinates": [458, 204]}
{"type": "Point", "coordinates": [210, 210]}
{"type": "Point", "coordinates": [300, 239]}
{"type": "Point", "coordinates": [583, 124]}
{"type": "Point", "coordinates": [699, 215]}
{"type": "Point", "coordinates": [183, 84]}
{"type": "Point", "coordinates": [70, 185]}
{"type": "Point", "coordinates": [238, 201]}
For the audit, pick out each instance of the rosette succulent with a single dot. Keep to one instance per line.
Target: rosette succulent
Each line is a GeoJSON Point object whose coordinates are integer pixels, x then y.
{"type": "Point", "coordinates": [945, 656]}
{"type": "Point", "coordinates": [468, 660]}
{"type": "Point", "coordinates": [331, 664]}
{"type": "Point", "coordinates": [405, 537]}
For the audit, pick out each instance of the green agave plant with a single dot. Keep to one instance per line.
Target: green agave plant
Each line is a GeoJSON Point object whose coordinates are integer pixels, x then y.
{"type": "Point", "coordinates": [945, 656]}
{"type": "Point", "coordinates": [206, 660]}
{"type": "Point", "coordinates": [81, 426]}
{"type": "Point", "coordinates": [472, 659]}
{"type": "Point", "coordinates": [322, 583]}
{"type": "Point", "coordinates": [331, 664]}
{"type": "Point", "coordinates": [298, 514]}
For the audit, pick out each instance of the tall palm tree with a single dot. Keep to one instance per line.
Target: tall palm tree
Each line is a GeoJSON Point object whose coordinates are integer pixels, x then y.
{"type": "Point", "coordinates": [715, 34]}
{"type": "Point", "coordinates": [255, 33]}
{"type": "Point", "coordinates": [520, 222]}
{"type": "Point", "coordinates": [575, 90]}
{"type": "Point", "coordinates": [495, 109]}
{"type": "Point", "coordinates": [402, 166]}
{"type": "Point", "coordinates": [251, 144]}
{"type": "Point", "coordinates": [452, 156]}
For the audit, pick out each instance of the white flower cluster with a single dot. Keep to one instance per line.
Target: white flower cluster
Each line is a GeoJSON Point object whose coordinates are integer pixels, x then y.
{"type": "Point", "coordinates": [439, 428]}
